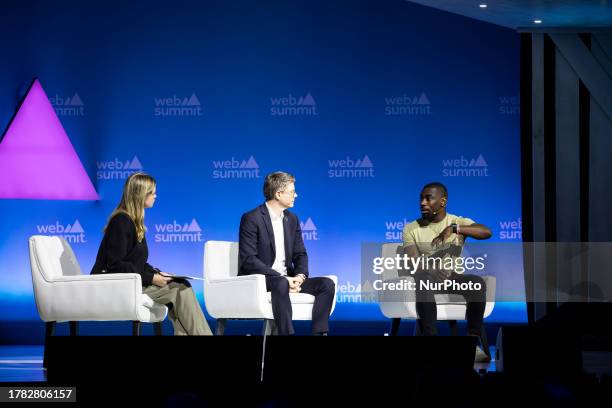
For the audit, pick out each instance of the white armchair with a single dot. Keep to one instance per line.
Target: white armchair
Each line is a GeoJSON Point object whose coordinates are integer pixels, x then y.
{"type": "Point", "coordinates": [63, 293]}
{"type": "Point", "coordinates": [229, 296]}
{"type": "Point", "coordinates": [450, 307]}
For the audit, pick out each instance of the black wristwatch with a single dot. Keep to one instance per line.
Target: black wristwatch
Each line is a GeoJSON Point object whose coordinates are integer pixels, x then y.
{"type": "Point", "coordinates": [454, 226]}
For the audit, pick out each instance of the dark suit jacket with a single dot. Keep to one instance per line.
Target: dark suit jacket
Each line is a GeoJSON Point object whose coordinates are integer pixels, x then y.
{"type": "Point", "coordinates": [257, 250]}
{"type": "Point", "coordinates": [120, 251]}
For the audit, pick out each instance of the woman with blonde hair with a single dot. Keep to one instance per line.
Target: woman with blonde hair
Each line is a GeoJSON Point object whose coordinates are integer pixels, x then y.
{"type": "Point", "coordinates": [124, 250]}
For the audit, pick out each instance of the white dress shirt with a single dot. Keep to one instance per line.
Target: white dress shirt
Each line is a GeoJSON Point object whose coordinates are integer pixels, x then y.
{"type": "Point", "coordinates": [279, 241]}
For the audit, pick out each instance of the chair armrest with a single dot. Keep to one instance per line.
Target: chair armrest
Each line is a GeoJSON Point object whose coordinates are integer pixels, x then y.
{"type": "Point", "coordinates": [392, 296]}
{"type": "Point", "coordinates": [98, 277]}
{"type": "Point", "coordinates": [240, 297]}
{"type": "Point", "coordinates": [93, 297]}
{"type": "Point", "coordinates": [244, 278]}
{"type": "Point", "coordinates": [491, 282]}
{"type": "Point", "coordinates": [389, 274]}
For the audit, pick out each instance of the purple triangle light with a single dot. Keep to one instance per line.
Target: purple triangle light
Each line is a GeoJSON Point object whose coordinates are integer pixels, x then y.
{"type": "Point", "coordinates": [37, 160]}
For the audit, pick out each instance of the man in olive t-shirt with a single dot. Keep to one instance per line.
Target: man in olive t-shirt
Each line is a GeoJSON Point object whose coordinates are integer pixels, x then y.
{"type": "Point", "coordinates": [440, 234]}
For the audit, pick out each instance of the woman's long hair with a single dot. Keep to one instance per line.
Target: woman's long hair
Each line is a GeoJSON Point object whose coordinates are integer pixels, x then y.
{"type": "Point", "coordinates": [137, 187]}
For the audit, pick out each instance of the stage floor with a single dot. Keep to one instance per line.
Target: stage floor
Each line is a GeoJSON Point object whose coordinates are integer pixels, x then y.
{"type": "Point", "coordinates": [21, 364]}
{"type": "Point", "coordinates": [24, 364]}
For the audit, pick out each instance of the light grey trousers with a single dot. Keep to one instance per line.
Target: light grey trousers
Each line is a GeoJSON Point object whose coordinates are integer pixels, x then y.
{"type": "Point", "coordinates": [186, 314]}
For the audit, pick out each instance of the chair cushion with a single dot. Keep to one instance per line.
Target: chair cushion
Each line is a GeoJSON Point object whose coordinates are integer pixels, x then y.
{"type": "Point", "coordinates": [146, 300]}
{"type": "Point", "coordinates": [297, 298]}
{"type": "Point", "coordinates": [447, 298]}
{"type": "Point", "coordinates": [150, 311]}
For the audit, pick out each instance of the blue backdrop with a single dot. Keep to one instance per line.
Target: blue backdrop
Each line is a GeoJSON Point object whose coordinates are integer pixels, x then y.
{"type": "Point", "coordinates": [363, 101]}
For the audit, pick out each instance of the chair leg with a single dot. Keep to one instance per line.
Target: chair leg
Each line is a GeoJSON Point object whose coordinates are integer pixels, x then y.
{"type": "Point", "coordinates": [453, 327]}
{"type": "Point", "coordinates": [74, 328]}
{"type": "Point", "coordinates": [157, 327]}
{"type": "Point", "coordinates": [49, 330]}
{"type": "Point", "coordinates": [267, 327]}
{"type": "Point", "coordinates": [221, 327]}
{"type": "Point", "coordinates": [395, 324]}
{"type": "Point", "coordinates": [484, 340]}
{"type": "Point", "coordinates": [135, 328]}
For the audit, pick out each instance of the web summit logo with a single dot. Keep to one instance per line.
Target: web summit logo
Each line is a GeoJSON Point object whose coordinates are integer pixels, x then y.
{"type": "Point", "coordinates": [117, 169]}
{"type": "Point", "coordinates": [176, 232]}
{"type": "Point", "coordinates": [349, 168]}
{"type": "Point", "coordinates": [235, 169]}
{"type": "Point", "coordinates": [309, 230]}
{"type": "Point", "coordinates": [406, 105]}
{"type": "Point", "coordinates": [290, 106]}
{"type": "Point", "coordinates": [509, 105]}
{"type": "Point", "coordinates": [395, 229]}
{"type": "Point", "coordinates": [175, 106]}
{"type": "Point", "coordinates": [74, 233]}
{"type": "Point", "coordinates": [512, 229]}
{"type": "Point", "coordinates": [355, 293]}
{"type": "Point", "coordinates": [465, 168]}
{"type": "Point", "coordinates": [68, 106]}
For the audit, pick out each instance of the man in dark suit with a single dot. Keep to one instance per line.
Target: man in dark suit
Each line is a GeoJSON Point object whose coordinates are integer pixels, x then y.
{"type": "Point", "coordinates": [271, 244]}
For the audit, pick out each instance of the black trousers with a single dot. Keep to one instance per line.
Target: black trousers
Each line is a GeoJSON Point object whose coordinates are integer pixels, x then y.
{"type": "Point", "coordinates": [426, 304]}
{"type": "Point", "coordinates": [323, 289]}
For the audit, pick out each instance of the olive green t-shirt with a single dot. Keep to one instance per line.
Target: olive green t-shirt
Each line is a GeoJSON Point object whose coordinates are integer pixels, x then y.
{"type": "Point", "coordinates": [421, 232]}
